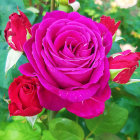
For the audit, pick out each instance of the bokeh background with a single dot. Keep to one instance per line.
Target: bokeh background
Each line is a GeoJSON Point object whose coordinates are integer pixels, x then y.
{"type": "Point", "coordinates": [126, 96]}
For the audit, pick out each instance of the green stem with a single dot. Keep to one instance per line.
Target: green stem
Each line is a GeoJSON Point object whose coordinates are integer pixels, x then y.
{"type": "Point", "coordinates": [77, 119]}
{"type": "Point", "coordinates": [51, 115]}
{"type": "Point", "coordinates": [30, 2]}
{"type": "Point", "coordinates": [52, 5]}
{"type": "Point", "coordinates": [89, 135]}
{"type": "Point", "coordinates": [45, 124]}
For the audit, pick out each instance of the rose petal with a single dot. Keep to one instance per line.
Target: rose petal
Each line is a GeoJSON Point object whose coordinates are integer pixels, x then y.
{"type": "Point", "coordinates": [27, 69]}
{"type": "Point", "coordinates": [107, 37]}
{"type": "Point", "coordinates": [110, 24]}
{"type": "Point", "coordinates": [87, 109]}
{"type": "Point", "coordinates": [56, 15]}
{"type": "Point", "coordinates": [58, 76]}
{"type": "Point", "coordinates": [50, 100]}
{"type": "Point", "coordinates": [92, 107]}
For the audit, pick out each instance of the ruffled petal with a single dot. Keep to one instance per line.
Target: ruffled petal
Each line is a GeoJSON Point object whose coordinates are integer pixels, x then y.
{"type": "Point", "coordinates": [51, 101]}
{"type": "Point", "coordinates": [110, 24]}
{"type": "Point", "coordinates": [106, 37]}
{"type": "Point", "coordinates": [87, 109]}
{"type": "Point", "coordinates": [27, 69]}
{"type": "Point", "coordinates": [56, 15]}
{"type": "Point", "coordinates": [92, 107]}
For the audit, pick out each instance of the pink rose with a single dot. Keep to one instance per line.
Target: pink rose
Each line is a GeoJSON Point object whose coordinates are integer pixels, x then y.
{"type": "Point", "coordinates": [67, 52]}
{"type": "Point", "coordinates": [123, 64]}
{"type": "Point", "coordinates": [16, 31]}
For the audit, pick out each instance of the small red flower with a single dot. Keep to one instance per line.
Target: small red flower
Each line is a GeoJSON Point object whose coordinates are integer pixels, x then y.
{"type": "Point", "coordinates": [125, 63]}
{"type": "Point", "coordinates": [16, 30]}
{"type": "Point", "coordinates": [71, 1]}
{"type": "Point", "coordinates": [110, 24]}
{"type": "Point", "coordinates": [23, 95]}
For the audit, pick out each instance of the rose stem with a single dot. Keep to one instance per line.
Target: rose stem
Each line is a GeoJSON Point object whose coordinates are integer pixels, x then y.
{"type": "Point", "coordinates": [52, 5]}
{"type": "Point", "coordinates": [51, 115]}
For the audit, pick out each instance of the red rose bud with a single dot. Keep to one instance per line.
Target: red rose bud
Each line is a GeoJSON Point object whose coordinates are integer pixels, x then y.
{"type": "Point", "coordinates": [110, 24]}
{"type": "Point", "coordinates": [17, 30]}
{"type": "Point", "coordinates": [23, 95]}
{"type": "Point", "coordinates": [122, 66]}
{"type": "Point", "coordinates": [71, 1]}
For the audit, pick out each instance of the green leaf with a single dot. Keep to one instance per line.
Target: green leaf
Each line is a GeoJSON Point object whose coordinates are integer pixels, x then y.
{"type": "Point", "coordinates": [120, 93]}
{"type": "Point", "coordinates": [132, 127]}
{"type": "Point", "coordinates": [13, 2]}
{"type": "Point", "coordinates": [90, 139]}
{"type": "Point", "coordinates": [3, 54]}
{"type": "Point", "coordinates": [28, 35]}
{"type": "Point", "coordinates": [3, 92]}
{"type": "Point", "coordinates": [18, 118]}
{"type": "Point", "coordinates": [107, 137]}
{"type": "Point", "coordinates": [115, 72]}
{"type": "Point", "coordinates": [4, 113]}
{"type": "Point", "coordinates": [21, 131]}
{"type": "Point", "coordinates": [65, 2]}
{"type": "Point", "coordinates": [65, 129]}
{"type": "Point", "coordinates": [65, 8]}
{"type": "Point", "coordinates": [115, 49]}
{"type": "Point", "coordinates": [111, 121]}
{"type": "Point", "coordinates": [3, 44]}
{"type": "Point", "coordinates": [2, 133]}
{"type": "Point", "coordinates": [47, 136]}
{"type": "Point", "coordinates": [66, 114]}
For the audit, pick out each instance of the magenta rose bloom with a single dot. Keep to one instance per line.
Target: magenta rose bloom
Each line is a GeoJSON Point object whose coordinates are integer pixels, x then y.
{"type": "Point", "coordinates": [67, 52]}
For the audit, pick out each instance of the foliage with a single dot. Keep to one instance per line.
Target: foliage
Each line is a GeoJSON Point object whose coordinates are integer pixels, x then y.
{"type": "Point", "coordinates": [121, 118]}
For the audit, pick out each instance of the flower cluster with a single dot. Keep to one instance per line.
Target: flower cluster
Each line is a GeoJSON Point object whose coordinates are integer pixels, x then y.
{"type": "Point", "coordinates": [68, 65]}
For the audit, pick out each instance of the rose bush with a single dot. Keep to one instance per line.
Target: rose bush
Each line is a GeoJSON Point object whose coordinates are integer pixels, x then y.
{"type": "Point", "coordinates": [23, 97]}
{"type": "Point", "coordinates": [67, 52]}
{"type": "Point", "coordinates": [17, 30]}
{"type": "Point", "coordinates": [125, 63]}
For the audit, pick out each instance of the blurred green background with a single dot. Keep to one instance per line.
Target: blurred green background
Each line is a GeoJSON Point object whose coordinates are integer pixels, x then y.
{"type": "Point", "coordinates": [125, 101]}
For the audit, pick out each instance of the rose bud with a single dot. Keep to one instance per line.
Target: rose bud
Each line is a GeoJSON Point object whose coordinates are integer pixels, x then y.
{"type": "Point", "coordinates": [74, 4]}
{"type": "Point", "coordinates": [17, 30]}
{"type": "Point", "coordinates": [110, 24]}
{"type": "Point", "coordinates": [23, 95]}
{"type": "Point", "coordinates": [71, 1]}
{"type": "Point", "coordinates": [122, 65]}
